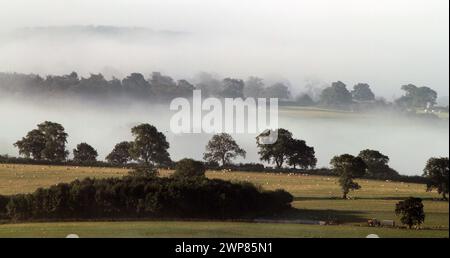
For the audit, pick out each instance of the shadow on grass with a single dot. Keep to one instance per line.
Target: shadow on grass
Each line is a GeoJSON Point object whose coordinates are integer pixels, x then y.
{"type": "Point", "coordinates": [337, 216]}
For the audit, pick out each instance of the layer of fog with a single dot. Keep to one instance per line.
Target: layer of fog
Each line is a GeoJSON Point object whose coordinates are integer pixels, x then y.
{"type": "Point", "coordinates": [409, 143]}
{"type": "Point", "coordinates": [381, 42]}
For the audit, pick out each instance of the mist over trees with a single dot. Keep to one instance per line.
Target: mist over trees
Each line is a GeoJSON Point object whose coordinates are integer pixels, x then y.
{"type": "Point", "coordinates": [362, 92]}
{"type": "Point", "coordinates": [417, 97]}
{"type": "Point", "coordinates": [159, 88]}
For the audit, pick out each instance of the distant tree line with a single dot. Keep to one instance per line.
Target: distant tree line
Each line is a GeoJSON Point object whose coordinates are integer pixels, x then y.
{"type": "Point", "coordinates": [159, 87]}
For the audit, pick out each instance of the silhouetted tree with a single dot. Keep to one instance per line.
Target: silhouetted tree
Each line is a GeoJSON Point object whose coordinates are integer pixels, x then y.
{"type": "Point", "coordinates": [32, 145]}
{"type": "Point", "coordinates": [411, 212]}
{"type": "Point", "coordinates": [48, 142]}
{"type": "Point", "coordinates": [301, 155]}
{"type": "Point", "coordinates": [362, 92]}
{"type": "Point", "coordinates": [348, 167]}
{"type": "Point", "coordinates": [85, 153]}
{"type": "Point", "coordinates": [377, 164]}
{"type": "Point", "coordinates": [222, 148]}
{"type": "Point", "coordinates": [436, 171]}
{"type": "Point", "coordinates": [277, 152]}
{"type": "Point", "coordinates": [120, 155]}
{"type": "Point", "coordinates": [149, 146]}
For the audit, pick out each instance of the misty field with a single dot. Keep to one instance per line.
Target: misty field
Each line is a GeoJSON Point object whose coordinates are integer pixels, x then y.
{"type": "Point", "coordinates": [316, 199]}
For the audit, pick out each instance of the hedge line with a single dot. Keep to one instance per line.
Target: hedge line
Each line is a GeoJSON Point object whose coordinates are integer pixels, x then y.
{"type": "Point", "coordinates": [140, 197]}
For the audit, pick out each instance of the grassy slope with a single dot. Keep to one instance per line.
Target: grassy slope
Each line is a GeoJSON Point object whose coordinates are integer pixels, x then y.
{"type": "Point", "coordinates": [314, 199]}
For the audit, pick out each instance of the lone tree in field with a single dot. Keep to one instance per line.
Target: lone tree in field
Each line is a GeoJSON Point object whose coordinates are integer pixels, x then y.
{"type": "Point", "coordinates": [85, 153]}
{"type": "Point", "coordinates": [47, 142]}
{"type": "Point", "coordinates": [377, 164]}
{"type": "Point", "coordinates": [189, 168]}
{"type": "Point", "coordinates": [436, 171]}
{"type": "Point", "coordinates": [120, 155]}
{"type": "Point", "coordinates": [301, 155]}
{"type": "Point", "coordinates": [149, 146]}
{"type": "Point", "coordinates": [348, 168]}
{"type": "Point", "coordinates": [222, 148]}
{"type": "Point", "coordinates": [277, 152]}
{"type": "Point", "coordinates": [411, 212]}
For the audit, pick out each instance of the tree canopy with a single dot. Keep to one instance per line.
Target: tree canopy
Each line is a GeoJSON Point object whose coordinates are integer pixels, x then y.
{"type": "Point", "coordinates": [149, 146]}
{"type": "Point", "coordinates": [336, 95]}
{"type": "Point", "coordinates": [222, 148]}
{"type": "Point", "coordinates": [348, 167]}
{"type": "Point", "coordinates": [277, 152]}
{"type": "Point", "coordinates": [47, 142]}
{"type": "Point", "coordinates": [362, 92]}
{"type": "Point", "coordinates": [120, 155]}
{"type": "Point", "coordinates": [377, 164]}
{"type": "Point", "coordinates": [189, 168]}
{"type": "Point", "coordinates": [300, 154]}
{"type": "Point", "coordinates": [417, 97]}
{"type": "Point", "coordinates": [85, 153]}
{"type": "Point", "coordinates": [436, 171]}
{"type": "Point", "coordinates": [411, 211]}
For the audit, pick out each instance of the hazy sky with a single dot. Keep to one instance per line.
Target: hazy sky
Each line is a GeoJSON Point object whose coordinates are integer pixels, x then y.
{"type": "Point", "coordinates": [385, 43]}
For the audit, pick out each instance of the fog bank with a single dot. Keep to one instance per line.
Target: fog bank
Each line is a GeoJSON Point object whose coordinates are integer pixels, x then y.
{"type": "Point", "coordinates": [409, 143]}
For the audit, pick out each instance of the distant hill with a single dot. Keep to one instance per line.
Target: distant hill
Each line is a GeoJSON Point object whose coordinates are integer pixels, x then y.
{"type": "Point", "coordinates": [91, 31]}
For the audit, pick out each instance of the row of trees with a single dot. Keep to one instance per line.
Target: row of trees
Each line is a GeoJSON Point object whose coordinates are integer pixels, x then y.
{"type": "Point", "coordinates": [349, 168]}
{"type": "Point", "coordinates": [150, 149]}
{"type": "Point", "coordinates": [337, 95]}
{"type": "Point", "coordinates": [161, 87]}
{"type": "Point", "coordinates": [48, 143]}
{"type": "Point", "coordinates": [156, 87]}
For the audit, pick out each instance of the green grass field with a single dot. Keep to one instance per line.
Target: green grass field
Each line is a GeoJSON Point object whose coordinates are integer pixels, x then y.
{"type": "Point", "coordinates": [316, 198]}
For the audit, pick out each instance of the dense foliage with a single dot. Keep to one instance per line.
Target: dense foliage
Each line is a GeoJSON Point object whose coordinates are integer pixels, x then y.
{"type": "Point", "coordinates": [47, 142]}
{"type": "Point", "coordinates": [222, 148]}
{"type": "Point", "coordinates": [189, 168]}
{"type": "Point", "coordinates": [285, 149]}
{"type": "Point", "coordinates": [348, 168]}
{"type": "Point", "coordinates": [85, 153]}
{"type": "Point", "coordinates": [436, 171]}
{"type": "Point", "coordinates": [411, 211]}
{"type": "Point", "coordinates": [145, 197]}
